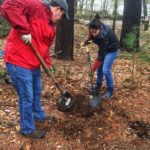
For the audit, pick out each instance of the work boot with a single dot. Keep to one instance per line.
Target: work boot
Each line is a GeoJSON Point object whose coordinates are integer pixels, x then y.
{"type": "Point", "coordinates": [36, 134]}
{"type": "Point", "coordinates": [46, 119]}
{"type": "Point", "coordinates": [96, 89]}
{"type": "Point", "coordinates": [108, 93]}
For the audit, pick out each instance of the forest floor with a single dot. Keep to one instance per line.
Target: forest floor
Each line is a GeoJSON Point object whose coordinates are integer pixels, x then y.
{"type": "Point", "coordinates": [120, 123]}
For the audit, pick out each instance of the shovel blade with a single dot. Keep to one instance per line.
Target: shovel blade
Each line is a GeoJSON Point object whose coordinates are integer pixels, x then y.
{"type": "Point", "coordinates": [94, 101]}
{"type": "Point", "coordinates": [65, 102]}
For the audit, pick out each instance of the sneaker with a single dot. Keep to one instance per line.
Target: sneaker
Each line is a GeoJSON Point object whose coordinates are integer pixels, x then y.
{"type": "Point", "coordinates": [36, 134]}
{"type": "Point", "coordinates": [107, 95]}
{"type": "Point", "coordinates": [46, 119]}
{"type": "Point", "coordinates": [96, 89]}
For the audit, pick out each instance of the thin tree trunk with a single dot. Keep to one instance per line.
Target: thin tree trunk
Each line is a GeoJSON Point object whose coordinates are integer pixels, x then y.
{"type": "Point", "coordinates": [131, 18]}
{"type": "Point", "coordinates": [75, 6]}
{"type": "Point", "coordinates": [101, 4]}
{"type": "Point", "coordinates": [146, 22]}
{"type": "Point", "coordinates": [91, 9]}
{"type": "Point", "coordinates": [81, 6]}
{"type": "Point", "coordinates": [115, 15]}
{"type": "Point", "coordinates": [106, 5]}
{"type": "Point", "coordinates": [86, 5]}
{"type": "Point", "coordinates": [64, 34]}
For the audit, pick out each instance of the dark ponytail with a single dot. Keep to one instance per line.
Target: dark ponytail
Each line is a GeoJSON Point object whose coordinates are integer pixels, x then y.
{"type": "Point", "coordinates": [95, 23]}
{"type": "Point", "coordinates": [97, 17]}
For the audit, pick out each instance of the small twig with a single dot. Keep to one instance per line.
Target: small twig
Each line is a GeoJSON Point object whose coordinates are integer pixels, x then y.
{"type": "Point", "coordinates": [7, 105]}
{"type": "Point", "coordinates": [56, 53]}
{"type": "Point", "coordinates": [113, 147]}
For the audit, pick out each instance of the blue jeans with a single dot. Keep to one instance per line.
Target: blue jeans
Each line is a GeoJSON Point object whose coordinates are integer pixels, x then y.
{"type": "Point", "coordinates": [1, 54]}
{"type": "Point", "coordinates": [28, 86]}
{"type": "Point", "coordinates": [105, 70]}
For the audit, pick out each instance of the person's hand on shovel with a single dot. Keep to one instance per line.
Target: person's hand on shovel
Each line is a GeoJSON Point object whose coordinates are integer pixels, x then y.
{"type": "Point", "coordinates": [82, 44]}
{"type": "Point", "coordinates": [85, 43]}
{"type": "Point", "coordinates": [26, 38]}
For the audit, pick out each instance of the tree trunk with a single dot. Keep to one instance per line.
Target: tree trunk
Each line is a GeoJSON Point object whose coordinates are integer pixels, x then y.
{"type": "Point", "coordinates": [86, 5]}
{"type": "Point", "coordinates": [91, 9]}
{"type": "Point", "coordinates": [65, 34]}
{"type": "Point", "coordinates": [104, 2]}
{"type": "Point", "coordinates": [146, 22]}
{"type": "Point", "coordinates": [101, 5]}
{"type": "Point", "coordinates": [115, 15]}
{"type": "Point", "coordinates": [106, 5]}
{"type": "Point", "coordinates": [81, 6]}
{"type": "Point", "coordinates": [131, 18]}
{"type": "Point", "coordinates": [75, 6]}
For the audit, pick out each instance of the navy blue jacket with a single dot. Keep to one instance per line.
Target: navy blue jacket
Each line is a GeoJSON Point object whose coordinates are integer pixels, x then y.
{"type": "Point", "coordinates": [106, 41]}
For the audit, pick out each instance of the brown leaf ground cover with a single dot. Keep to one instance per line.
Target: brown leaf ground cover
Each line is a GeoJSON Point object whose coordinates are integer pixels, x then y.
{"type": "Point", "coordinates": [120, 123]}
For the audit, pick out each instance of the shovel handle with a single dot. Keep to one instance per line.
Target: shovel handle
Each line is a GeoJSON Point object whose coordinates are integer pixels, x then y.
{"type": "Point", "coordinates": [45, 67]}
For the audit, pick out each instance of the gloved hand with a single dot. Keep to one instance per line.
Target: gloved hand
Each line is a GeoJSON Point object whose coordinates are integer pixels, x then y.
{"type": "Point", "coordinates": [82, 44]}
{"type": "Point", "coordinates": [85, 43]}
{"type": "Point", "coordinates": [26, 38]}
{"type": "Point", "coordinates": [96, 64]}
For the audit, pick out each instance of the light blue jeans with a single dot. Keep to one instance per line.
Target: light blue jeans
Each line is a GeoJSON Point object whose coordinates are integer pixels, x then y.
{"type": "Point", "coordinates": [105, 70]}
{"type": "Point", "coordinates": [28, 86]}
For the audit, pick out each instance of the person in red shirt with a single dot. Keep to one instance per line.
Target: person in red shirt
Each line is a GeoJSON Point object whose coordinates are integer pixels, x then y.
{"type": "Point", "coordinates": [33, 21]}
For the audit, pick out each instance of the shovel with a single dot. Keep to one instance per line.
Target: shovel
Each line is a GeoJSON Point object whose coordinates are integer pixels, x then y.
{"type": "Point", "coordinates": [65, 102]}
{"type": "Point", "coordinates": [95, 98]}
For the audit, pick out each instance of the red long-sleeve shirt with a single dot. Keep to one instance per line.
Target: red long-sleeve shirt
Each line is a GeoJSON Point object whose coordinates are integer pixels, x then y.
{"type": "Point", "coordinates": [28, 16]}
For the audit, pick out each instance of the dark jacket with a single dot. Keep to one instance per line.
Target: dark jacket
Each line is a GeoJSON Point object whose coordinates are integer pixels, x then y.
{"type": "Point", "coordinates": [106, 41]}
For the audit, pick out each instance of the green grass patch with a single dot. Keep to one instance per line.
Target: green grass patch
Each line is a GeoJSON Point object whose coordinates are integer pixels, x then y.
{"type": "Point", "coordinates": [4, 28]}
{"type": "Point", "coordinates": [3, 73]}
{"type": "Point", "coordinates": [144, 56]}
